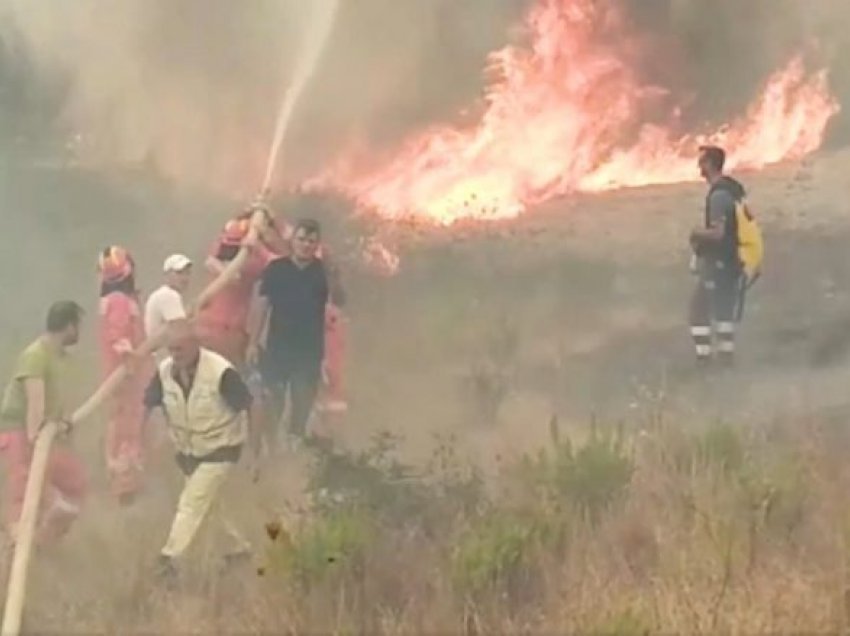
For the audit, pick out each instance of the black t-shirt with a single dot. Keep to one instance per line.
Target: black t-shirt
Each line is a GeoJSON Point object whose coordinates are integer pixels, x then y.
{"type": "Point", "coordinates": [297, 297]}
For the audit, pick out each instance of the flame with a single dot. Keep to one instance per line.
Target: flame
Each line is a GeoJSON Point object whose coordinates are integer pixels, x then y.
{"type": "Point", "coordinates": [569, 113]}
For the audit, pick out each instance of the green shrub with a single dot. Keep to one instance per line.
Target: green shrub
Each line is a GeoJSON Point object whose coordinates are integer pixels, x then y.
{"type": "Point", "coordinates": [626, 623]}
{"type": "Point", "coordinates": [590, 477]}
{"type": "Point", "coordinates": [335, 542]}
{"type": "Point", "coordinates": [493, 553]}
{"type": "Point", "coordinates": [721, 445]}
{"type": "Point", "coordinates": [373, 479]}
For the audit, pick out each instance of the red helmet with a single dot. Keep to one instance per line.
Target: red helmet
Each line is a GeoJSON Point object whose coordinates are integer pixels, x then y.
{"type": "Point", "coordinates": [235, 231]}
{"type": "Point", "coordinates": [114, 264]}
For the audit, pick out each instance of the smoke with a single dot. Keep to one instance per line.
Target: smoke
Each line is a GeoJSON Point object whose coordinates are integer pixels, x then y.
{"type": "Point", "coordinates": [191, 89]}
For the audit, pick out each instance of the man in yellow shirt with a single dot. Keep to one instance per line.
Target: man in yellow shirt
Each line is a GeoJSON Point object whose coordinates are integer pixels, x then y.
{"type": "Point", "coordinates": [35, 395]}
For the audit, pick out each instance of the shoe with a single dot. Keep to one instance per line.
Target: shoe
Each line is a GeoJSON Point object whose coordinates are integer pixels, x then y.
{"type": "Point", "coordinates": [166, 572]}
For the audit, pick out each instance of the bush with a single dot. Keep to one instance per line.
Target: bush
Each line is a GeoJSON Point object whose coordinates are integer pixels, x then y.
{"type": "Point", "coordinates": [336, 542]}
{"type": "Point", "coordinates": [494, 553]}
{"type": "Point", "coordinates": [590, 478]}
{"type": "Point", "coordinates": [373, 479]}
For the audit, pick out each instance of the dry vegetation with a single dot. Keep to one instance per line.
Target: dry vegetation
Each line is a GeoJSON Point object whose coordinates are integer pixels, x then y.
{"type": "Point", "coordinates": [528, 450]}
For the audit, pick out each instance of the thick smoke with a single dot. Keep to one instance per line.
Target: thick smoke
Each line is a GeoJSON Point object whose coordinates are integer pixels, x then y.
{"type": "Point", "coordinates": [190, 89]}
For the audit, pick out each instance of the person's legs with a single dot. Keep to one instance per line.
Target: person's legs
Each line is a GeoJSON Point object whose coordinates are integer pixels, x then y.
{"type": "Point", "coordinates": [700, 318]}
{"type": "Point", "coordinates": [16, 452]}
{"type": "Point", "coordinates": [199, 494]}
{"type": "Point", "coordinates": [125, 442]}
{"type": "Point", "coordinates": [727, 295]}
{"type": "Point", "coordinates": [67, 478]}
{"type": "Point", "coordinates": [305, 386]}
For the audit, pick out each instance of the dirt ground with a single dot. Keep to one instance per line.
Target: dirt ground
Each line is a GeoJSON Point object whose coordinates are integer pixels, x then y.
{"type": "Point", "coordinates": [575, 311]}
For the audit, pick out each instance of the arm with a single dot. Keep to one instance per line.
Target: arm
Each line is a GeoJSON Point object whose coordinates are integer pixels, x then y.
{"type": "Point", "coordinates": [153, 396]}
{"type": "Point", "coordinates": [257, 320]}
{"type": "Point", "coordinates": [259, 313]}
{"type": "Point", "coordinates": [214, 266]}
{"type": "Point", "coordinates": [34, 388]}
{"type": "Point", "coordinates": [721, 205]}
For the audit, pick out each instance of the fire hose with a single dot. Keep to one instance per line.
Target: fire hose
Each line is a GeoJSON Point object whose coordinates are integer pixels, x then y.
{"type": "Point", "coordinates": [16, 589]}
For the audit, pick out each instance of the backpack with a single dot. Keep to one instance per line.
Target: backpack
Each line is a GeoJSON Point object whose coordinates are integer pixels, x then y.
{"type": "Point", "coordinates": [750, 242]}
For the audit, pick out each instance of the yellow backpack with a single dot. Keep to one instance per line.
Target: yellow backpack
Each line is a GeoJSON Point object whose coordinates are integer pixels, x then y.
{"type": "Point", "coordinates": [750, 242]}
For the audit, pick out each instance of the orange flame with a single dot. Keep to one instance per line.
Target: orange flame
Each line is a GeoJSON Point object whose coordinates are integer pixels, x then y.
{"type": "Point", "coordinates": [568, 114]}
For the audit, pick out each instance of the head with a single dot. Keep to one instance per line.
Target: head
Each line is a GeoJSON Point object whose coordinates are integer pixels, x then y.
{"type": "Point", "coordinates": [63, 322]}
{"type": "Point", "coordinates": [183, 344]}
{"type": "Point", "coordinates": [117, 271]}
{"type": "Point", "coordinates": [711, 162]}
{"type": "Point", "coordinates": [305, 240]}
{"type": "Point", "coordinates": [178, 272]}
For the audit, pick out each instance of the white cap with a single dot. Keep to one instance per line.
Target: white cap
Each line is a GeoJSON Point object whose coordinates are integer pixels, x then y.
{"type": "Point", "coordinates": [176, 263]}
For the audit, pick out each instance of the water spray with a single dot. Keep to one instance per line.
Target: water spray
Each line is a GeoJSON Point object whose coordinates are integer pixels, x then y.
{"type": "Point", "coordinates": [320, 25]}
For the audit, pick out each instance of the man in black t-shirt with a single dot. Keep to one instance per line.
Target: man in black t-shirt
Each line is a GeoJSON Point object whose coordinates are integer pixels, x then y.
{"type": "Point", "coordinates": [294, 291]}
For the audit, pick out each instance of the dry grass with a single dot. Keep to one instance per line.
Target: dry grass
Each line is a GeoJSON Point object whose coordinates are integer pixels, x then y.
{"type": "Point", "coordinates": [666, 504]}
{"type": "Point", "coordinates": [715, 529]}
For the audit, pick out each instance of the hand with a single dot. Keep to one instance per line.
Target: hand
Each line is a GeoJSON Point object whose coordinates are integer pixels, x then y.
{"type": "Point", "coordinates": [252, 354]}
{"type": "Point", "coordinates": [65, 427]}
{"type": "Point", "coordinates": [251, 240]}
{"type": "Point", "coordinates": [123, 347]}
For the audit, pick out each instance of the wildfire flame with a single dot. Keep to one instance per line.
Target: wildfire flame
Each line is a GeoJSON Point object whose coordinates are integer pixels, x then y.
{"type": "Point", "coordinates": [569, 113]}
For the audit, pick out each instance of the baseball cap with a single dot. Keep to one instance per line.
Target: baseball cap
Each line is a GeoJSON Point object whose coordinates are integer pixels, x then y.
{"type": "Point", "coordinates": [176, 263]}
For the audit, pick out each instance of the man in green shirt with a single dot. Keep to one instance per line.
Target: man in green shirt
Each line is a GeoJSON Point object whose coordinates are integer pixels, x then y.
{"type": "Point", "coordinates": [35, 395]}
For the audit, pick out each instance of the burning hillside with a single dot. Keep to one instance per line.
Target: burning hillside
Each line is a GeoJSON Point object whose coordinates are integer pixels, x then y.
{"type": "Point", "coordinates": [566, 112]}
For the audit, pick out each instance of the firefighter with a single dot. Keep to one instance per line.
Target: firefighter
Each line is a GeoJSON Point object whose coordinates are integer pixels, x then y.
{"type": "Point", "coordinates": [121, 331]}
{"type": "Point", "coordinates": [223, 321]}
{"type": "Point", "coordinates": [720, 279]}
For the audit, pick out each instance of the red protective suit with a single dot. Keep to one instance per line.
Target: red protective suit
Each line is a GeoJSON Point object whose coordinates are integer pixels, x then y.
{"type": "Point", "coordinates": [223, 322]}
{"type": "Point", "coordinates": [122, 326]}
{"type": "Point", "coordinates": [333, 395]}
{"type": "Point", "coordinates": [65, 485]}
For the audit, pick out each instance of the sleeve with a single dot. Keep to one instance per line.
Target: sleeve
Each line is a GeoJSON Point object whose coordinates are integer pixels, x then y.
{"type": "Point", "coordinates": [234, 391]}
{"type": "Point", "coordinates": [31, 364]}
{"type": "Point", "coordinates": [153, 392]}
{"type": "Point", "coordinates": [172, 307]}
{"type": "Point", "coordinates": [118, 321]}
{"type": "Point", "coordinates": [721, 206]}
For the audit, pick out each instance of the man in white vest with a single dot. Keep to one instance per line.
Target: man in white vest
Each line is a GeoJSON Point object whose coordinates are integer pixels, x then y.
{"type": "Point", "coordinates": [206, 406]}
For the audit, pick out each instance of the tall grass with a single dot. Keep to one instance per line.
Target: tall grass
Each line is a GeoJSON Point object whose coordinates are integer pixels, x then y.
{"type": "Point", "coordinates": [724, 528]}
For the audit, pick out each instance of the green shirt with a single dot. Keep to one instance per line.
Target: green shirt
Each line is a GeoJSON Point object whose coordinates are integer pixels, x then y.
{"type": "Point", "coordinates": [38, 360]}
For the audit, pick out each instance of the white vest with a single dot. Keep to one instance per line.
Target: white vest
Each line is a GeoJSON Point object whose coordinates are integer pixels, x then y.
{"type": "Point", "coordinates": [204, 422]}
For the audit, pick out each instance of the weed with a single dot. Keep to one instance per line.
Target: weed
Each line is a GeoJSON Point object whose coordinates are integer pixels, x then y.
{"type": "Point", "coordinates": [590, 477]}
